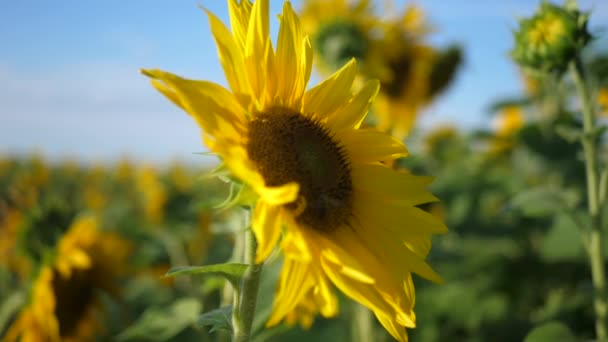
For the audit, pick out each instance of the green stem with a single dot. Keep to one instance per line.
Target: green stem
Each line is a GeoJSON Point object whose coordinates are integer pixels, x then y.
{"type": "Point", "coordinates": [246, 297]}
{"type": "Point", "coordinates": [595, 250]}
{"type": "Point", "coordinates": [361, 324]}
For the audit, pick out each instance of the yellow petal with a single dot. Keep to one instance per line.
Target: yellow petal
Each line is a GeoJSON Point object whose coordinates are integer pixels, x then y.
{"type": "Point", "coordinates": [387, 244]}
{"type": "Point", "coordinates": [256, 46]}
{"type": "Point", "coordinates": [240, 13]}
{"type": "Point", "coordinates": [230, 55]}
{"type": "Point", "coordinates": [294, 283]}
{"type": "Point", "coordinates": [266, 225]}
{"type": "Point", "coordinates": [236, 159]}
{"type": "Point", "coordinates": [214, 108]}
{"type": "Point", "coordinates": [352, 114]}
{"type": "Point", "coordinates": [398, 332]}
{"type": "Point", "coordinates": [369, 145]}
{"type": "Point", "coordinates": [288, 56]}
{"type": "Point", "coordinates": [80, 259]}
{"type": "Point", "coordinates": [331, 94]}
{"type": "Point", "coordinates": [387, 185]}
{"type": "Point", "coordinates": [398, 219]}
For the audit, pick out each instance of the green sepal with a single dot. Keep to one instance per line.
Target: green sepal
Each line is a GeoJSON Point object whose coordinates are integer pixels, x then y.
{"type": "Point", "coordinates": [232, 272]}
{"type": "Point", "coordinates": [217, 319]}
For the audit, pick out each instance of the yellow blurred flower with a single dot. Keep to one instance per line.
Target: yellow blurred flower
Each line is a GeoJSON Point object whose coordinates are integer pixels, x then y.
{"type": "Point", "coordinates": [339, 29]}
{"type": "Point", "coordinates": [602, 99]}
{"type": "Point", "coordinates": [403, 63]}
{"type": "Point", "coordinates": [125, 170]}
{"type": "Point", "coordinates": [11, 221]}
{"type": "Point", "coordinates": [180, 178]}
{"type": "Point", "coordinates": [509, 121]}
{"type": "Point", "coordinates": [349, 220]}
{"type": "Point", "coordinates": [154, 196]}
{"type": "Point", "coordinates": [439, 137]}
{"type": "Point", "coordinates": [64, 303]}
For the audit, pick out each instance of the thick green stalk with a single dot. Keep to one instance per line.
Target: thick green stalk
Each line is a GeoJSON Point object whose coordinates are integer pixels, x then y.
{"type": "Point", "coordinates": [362, 324]}
{"type": "Point", "coordinates": [246, 297]}
{"type": "Point", "coordinates": [595, 246]}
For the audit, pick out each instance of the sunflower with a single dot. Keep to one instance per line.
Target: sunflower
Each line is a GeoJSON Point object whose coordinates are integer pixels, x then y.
{"type": "Point", "coordinates": [348, 219]}
{"type": "Point", "coordinates": [153, 194]}
{"type": "Point", "coordinates": [64, 303]}
{"type": "Point", "coordinates": [339, 29]}
{"type": "Point", "coordinates": [602, 99]}
{"type": "Point", "coordinates": [404, 64]}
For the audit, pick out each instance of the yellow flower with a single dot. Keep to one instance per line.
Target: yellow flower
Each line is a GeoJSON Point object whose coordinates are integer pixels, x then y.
{"type": "Point", "coordinates": [509, 121]}
{"type": "Point", "coordinates": [154, 195]}
{"type": "Point", "coordinates": [11, 221]}
{"type": "Point", "coordinates": [64, 303]}
{"type": "Point", "coordinates": [404, 64]}
{"type": "Point", "coordinates": [339, 29]}
{"type": "Point", "coordinates": [602, 99]}
{"type": "Point", "coordinates": [349, 220]}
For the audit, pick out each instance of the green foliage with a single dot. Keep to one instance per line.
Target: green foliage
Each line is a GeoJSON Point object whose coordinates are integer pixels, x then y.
{"type": "Point", "coordinates": [550, 331]}
{"type": "Point", "coordinates": [162, 324]}
{"type": "Point", "coordinates": [218, 319]}
{"type": "Point", "coordinates": [231, 271]}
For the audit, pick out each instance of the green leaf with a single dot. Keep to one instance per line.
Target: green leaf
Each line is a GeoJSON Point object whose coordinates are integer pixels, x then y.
{"type": "Point", "coordinates": [232, 272]}
{"type": "Point", "coordinates": [569, 133]}
{"type": "Point", "coordinates": [161, 324]}
{"type": "Point", "coordinates": [10, 306]}
{"type": "Point", "coordinates": [549, 332]}
{"type": "Point", "coordinates": [218, 319]}
{"type": "Point", "coordinates": [563, 240]}
{"type": "Point", "coordinates": [545, 201]}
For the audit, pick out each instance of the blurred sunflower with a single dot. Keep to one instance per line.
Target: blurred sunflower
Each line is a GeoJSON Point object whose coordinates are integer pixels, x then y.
{"type": "Point", "coordinates": [404, 64]}
{"type": "Point", "coordinates": [11, 221]}
{"type": "Point", "coordinates": [349, 220]}
{"type": "Point", "coordinates": [64, 303]}
{"type": "Point", "coordinates": [602, 99]}
{"type": "Point", "coordinates": [506, 124]}
{"type": "Point", "coordinates": [153, 193]}
{"type": "Point", "coordinates": [339, 29]}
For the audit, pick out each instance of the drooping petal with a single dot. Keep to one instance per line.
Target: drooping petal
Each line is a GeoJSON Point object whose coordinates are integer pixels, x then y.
{"type": "Point", "coordinates": [213, 107]}
{"type": "Point", "coordinates": [395, 330]}
{"type": "Point", "coordinates": [236, 159]}
{"type": "Point", "coordinates": [369, 145]}
{"type": "Point", "coordinates": [397, 219]}
{"type": "Point", "coordinates": [387, 185]}
{"type": "Point", "coordinates": [266, 225]}
{"type": "Point", "coordinates": [294, 283]}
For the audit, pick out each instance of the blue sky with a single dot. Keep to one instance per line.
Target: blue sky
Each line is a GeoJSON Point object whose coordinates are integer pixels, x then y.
{"type": "Point", "coordinates": [70, 85]}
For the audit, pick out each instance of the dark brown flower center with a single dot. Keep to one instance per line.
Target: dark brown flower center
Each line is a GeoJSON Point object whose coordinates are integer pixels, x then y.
{"type": "Point", "coordinates": [74, 296]}
{"type": "Point", "coordinates": [401, 68]}
{"type": "Point", "coordinates": [290, 147]}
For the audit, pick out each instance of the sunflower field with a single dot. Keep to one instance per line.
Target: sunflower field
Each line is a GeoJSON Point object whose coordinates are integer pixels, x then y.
{"type": "Point", "coordinates": [328, 213]}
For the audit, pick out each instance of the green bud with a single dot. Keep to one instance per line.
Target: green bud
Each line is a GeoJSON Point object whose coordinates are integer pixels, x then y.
{"type": "Point", "coordinates": [550, 39]}
{"type": "Point", "coordinates": [338, 41]}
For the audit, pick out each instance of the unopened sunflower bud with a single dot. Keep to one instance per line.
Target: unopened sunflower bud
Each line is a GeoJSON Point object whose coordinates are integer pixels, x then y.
{"type": "Point", "coordinates": [550, 39]}
{"type": "Point", "coordinates": [339, 41]}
